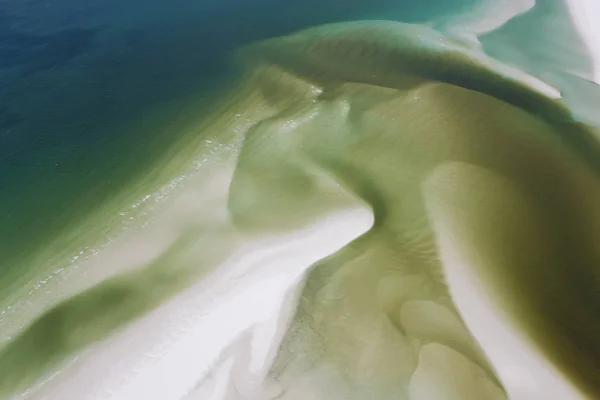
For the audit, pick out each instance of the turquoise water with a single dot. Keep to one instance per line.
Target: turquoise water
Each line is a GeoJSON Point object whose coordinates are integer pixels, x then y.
{"type": "Point", "coordinates": [92, 92]}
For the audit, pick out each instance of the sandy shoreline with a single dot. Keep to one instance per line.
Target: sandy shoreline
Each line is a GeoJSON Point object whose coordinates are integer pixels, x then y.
{"type": "Point", "coordinates": [236, 278]}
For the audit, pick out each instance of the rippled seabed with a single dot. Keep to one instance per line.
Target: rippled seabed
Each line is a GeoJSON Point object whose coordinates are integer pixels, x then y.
{"type": "Point", "coordinates": [357, 210]}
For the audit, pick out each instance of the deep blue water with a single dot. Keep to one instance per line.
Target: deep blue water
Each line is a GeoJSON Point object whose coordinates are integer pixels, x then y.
{"type": "Point", "coordinates": [78, 78]}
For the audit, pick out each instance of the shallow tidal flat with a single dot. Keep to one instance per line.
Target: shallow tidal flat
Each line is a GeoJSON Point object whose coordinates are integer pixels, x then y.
{"type": "Point", "coordinates": [412, 201]}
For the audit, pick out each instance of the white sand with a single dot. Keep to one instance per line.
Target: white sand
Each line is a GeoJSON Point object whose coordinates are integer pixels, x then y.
{"type": "Point", "coordinates": [585, 15]}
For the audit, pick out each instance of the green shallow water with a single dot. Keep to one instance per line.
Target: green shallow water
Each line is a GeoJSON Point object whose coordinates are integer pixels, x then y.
{"type": "Point", "coordinates": [114, 88]}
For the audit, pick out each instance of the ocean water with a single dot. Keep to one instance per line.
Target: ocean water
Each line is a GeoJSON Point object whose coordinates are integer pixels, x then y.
{"type": "Point", "coordinates": [160, 159]}
{"type": "Point", "coordinates": [92, 93]}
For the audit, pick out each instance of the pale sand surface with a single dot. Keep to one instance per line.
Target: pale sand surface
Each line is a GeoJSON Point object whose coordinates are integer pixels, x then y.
{"type": "Point", "coordinates": [464, 181]}
{"type": "Point", "coordinates": [584, 14]}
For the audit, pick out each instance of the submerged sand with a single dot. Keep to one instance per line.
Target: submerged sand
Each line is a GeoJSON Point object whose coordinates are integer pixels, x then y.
{"type": "Point", "coordinates": [373, 210]}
